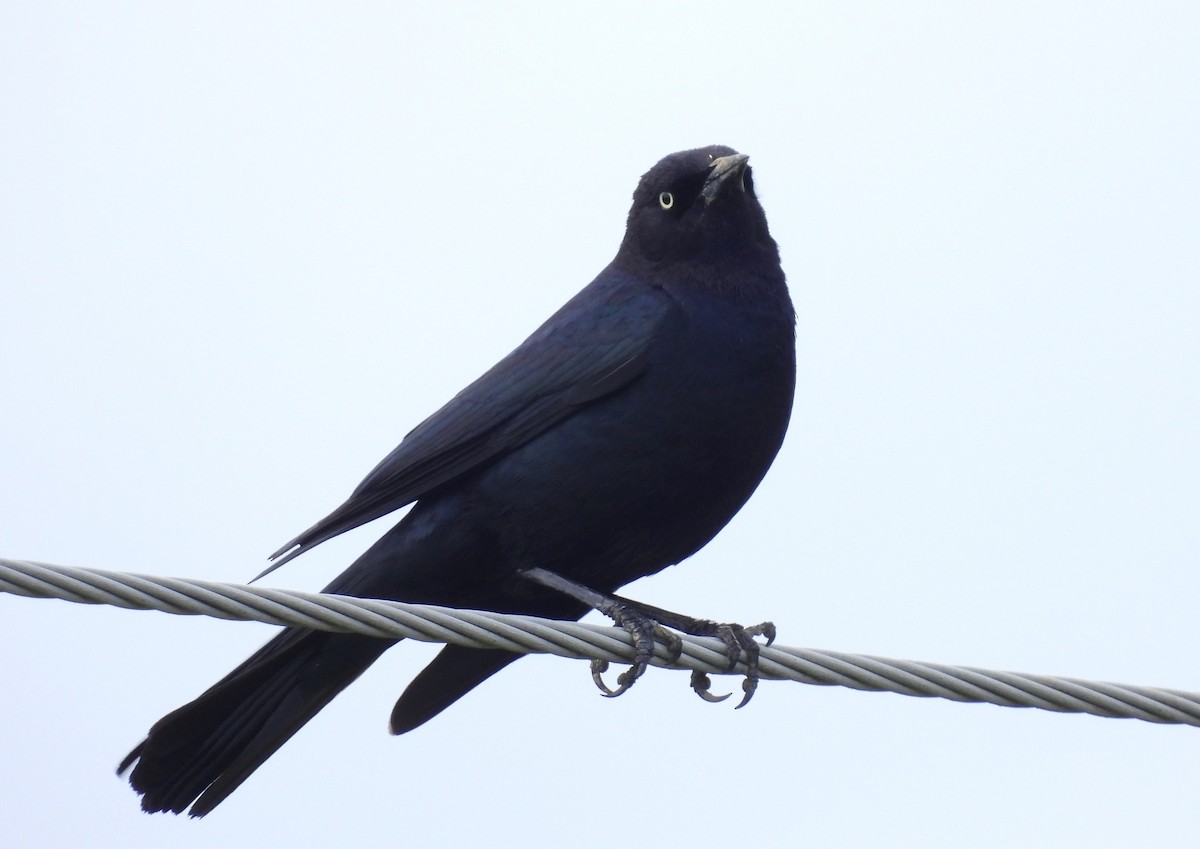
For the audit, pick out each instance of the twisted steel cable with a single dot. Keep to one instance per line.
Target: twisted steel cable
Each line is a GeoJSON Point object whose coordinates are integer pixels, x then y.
{"type": "Point", "coordinates": [526, 634]}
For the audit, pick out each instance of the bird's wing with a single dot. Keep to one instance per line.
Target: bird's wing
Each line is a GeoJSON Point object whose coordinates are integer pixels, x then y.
{"type": "Point", "coordinates": [591, 348]}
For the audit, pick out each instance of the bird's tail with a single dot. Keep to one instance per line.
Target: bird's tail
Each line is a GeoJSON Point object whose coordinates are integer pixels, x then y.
{"type": "Point", "coordinates": [200, 753]}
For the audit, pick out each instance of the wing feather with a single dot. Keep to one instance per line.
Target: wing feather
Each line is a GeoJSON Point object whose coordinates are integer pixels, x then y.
{"type": "Point", "coordinates": [592, 348]}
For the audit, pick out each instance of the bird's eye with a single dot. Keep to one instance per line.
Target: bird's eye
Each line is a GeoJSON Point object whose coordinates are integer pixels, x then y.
{"type": "Point", "coordinates": [666, 200]}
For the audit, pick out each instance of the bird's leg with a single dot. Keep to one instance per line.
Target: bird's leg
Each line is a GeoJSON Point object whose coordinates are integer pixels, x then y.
{"type": "Point", "coordinates": [626, 614]}
{"type": "Point", "coordinates": [645, 623]}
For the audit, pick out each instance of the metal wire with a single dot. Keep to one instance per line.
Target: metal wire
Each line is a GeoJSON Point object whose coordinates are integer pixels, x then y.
{"type": "Point", "coordinates": [525, 634]}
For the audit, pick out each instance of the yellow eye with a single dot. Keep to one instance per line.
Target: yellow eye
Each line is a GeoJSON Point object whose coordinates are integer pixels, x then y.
{"type": "Point", "coordinates": [666, 200]}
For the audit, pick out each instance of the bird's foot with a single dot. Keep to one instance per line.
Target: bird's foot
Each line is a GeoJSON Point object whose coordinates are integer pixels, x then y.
{"type": "Point", "coordinates": [646, 625]}
{"type": "Point", "coordinates": [645, 632]}
{"type": "Point", "coordinates": [739, 641]}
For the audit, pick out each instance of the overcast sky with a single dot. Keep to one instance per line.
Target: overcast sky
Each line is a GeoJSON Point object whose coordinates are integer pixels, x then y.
{"type": "Point", "coordinates": [245, 247]}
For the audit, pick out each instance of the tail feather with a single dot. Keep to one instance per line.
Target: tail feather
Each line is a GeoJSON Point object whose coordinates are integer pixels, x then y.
{"type": "Point", "coordinates": [451, 675]}
{"type": "Point", "coordinates": [200, 753]}
{"type": "Point", "coordinates": [197, 755]}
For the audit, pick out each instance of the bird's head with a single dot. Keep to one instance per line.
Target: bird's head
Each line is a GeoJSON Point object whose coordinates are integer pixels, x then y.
{"type": "Point", "coordinates": [697, 207]}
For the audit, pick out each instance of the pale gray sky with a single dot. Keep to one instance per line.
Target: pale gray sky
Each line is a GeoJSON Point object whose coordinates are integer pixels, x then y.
{"type": "Point", "coordinates": [246, 247]}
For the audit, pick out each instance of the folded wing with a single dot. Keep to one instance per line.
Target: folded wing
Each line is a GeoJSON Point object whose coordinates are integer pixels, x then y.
{"type": "Point", "coordinates": [575, 359]}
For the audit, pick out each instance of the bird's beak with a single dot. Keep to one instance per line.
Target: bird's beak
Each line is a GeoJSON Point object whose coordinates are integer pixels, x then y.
{"type": "Point", "coordinates": [724, 169]}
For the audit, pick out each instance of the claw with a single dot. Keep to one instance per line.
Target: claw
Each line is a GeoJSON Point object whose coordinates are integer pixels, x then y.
{"type": "Point", "coordinates": [701, 684]}
{"type": "Point", "coordinates": [624, 680]}
{"type": "Point", "coordinates": [763, 629]}
{"type": "Point", "coordinates": [749, 685]}
{"type": "Point", "coordinates": [599, 667]}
